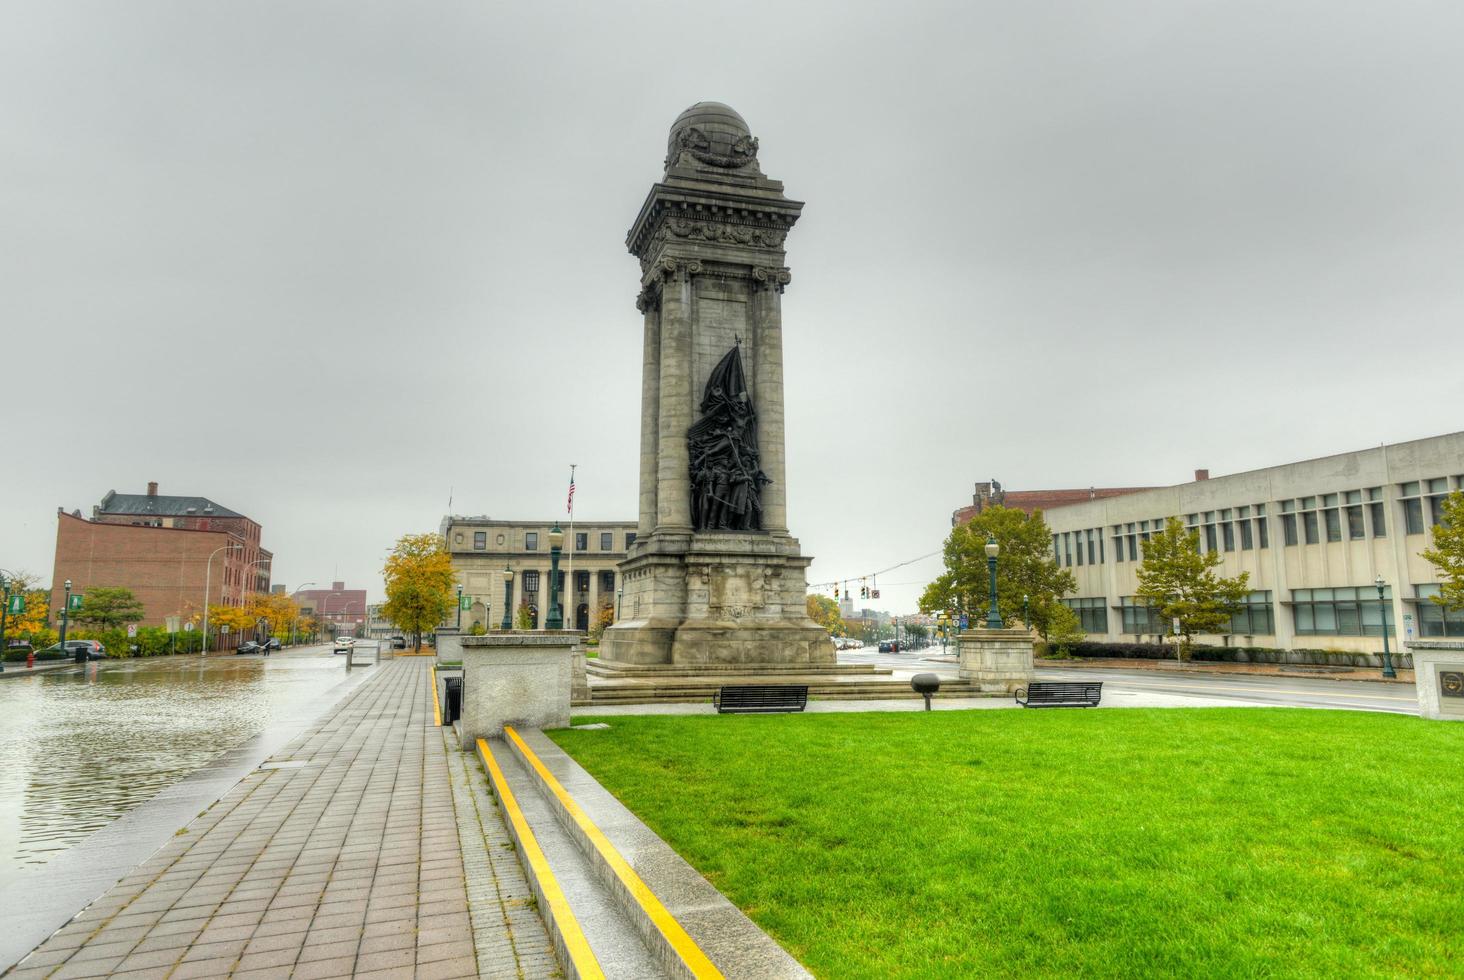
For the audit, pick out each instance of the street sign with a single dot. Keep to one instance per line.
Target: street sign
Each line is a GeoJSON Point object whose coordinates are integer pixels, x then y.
{"type": "Point", "coordinates": [132, 631]}
{"type": "Point", "coordinates": [224, 630]}
{"type": "Point", "coordinates": [17, 605]}
{"type": "Point", "coordinates": [188, 627]}
{"type": "Point", "coordinates": [965, 621]}
{"type": "Point", "coordinates": [1175, 625]}
{"type": "Point", "coordinates": [74, 603]}
{"type": "Point", "coordinates": [465, 602]}
{"type": "Point", "coordinates": [170, 623]}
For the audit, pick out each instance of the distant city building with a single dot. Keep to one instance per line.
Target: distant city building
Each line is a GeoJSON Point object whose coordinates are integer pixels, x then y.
{"type": "Point", "coordinates": [1313, 535]}
{"type": "Point", "coordinates": [378, 626]}
{"type": "Point", "coordinates": [991, 493]}
{"type": "Point", "coordinates": [481, 548]}
{"type": "Point", "coordinates": [167, 550]}
{"type": "Point", "coordinates": [338, 610]}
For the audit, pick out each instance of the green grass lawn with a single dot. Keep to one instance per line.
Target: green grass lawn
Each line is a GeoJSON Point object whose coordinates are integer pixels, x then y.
{"type": "Point", "coordinates": [1204, 842]}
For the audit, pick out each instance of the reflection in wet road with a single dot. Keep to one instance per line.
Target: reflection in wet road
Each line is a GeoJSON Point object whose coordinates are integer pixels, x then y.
{"type": "Point", "coordinates": [81, 746]}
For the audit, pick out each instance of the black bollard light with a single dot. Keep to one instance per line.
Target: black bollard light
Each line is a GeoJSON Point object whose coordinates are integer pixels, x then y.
{"type": "Point", "coordinates": [925, 685]}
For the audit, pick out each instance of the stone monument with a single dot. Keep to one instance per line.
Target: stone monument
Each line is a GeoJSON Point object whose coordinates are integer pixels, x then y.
{"type": "Point", "coordinates": [714, 578]}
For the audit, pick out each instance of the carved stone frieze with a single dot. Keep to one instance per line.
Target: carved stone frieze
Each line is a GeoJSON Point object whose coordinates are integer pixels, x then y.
{"type": "Point", "coordinates": [739, 154]}
{"type": "Point", "coordinates": [725, 232]}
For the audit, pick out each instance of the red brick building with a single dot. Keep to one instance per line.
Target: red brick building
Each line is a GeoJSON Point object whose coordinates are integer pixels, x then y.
{"type": "Point", "coordinates": [337, 609]}
{"type": "Point", "coordinates": [166, 550]}
{"type": "Point", "coordinates": [989, 494]}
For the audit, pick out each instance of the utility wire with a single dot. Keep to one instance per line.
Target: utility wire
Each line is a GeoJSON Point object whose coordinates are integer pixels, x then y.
{"type": "Point", "coordinates": [820, 586]}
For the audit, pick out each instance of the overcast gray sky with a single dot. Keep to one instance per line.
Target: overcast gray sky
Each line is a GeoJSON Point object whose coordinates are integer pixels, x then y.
{"type": "Point", "coordinates": [323, 261]}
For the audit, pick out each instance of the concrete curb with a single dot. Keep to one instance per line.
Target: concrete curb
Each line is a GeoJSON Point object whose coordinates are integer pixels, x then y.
{"type": "Point", "coordinates": [732, 943]}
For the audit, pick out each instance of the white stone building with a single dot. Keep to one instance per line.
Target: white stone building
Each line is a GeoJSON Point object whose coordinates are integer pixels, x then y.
{"type": "Point", "coordinates": [482, 548]}
{"type": "Point", "coordinates": [1313, 535]}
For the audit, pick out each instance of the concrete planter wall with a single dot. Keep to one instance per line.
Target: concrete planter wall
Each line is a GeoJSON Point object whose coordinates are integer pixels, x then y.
{"type": "Point", "coordinates": [1242, 655]}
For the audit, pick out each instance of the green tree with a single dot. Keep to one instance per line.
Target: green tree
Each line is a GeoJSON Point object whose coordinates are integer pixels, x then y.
{"type": "Point", "coordinates": [1447, 554]}
{"type": "Point", "coordinates": [1024, 568]}
{"type": "Point", "coordinates": [523, 619]}
{"type": "Point", "coordinates": [1180, 583]}
{"type": "Point", "coordinates": [105, 608]}
{"type": "Point", "coordinates": [419, 584]}
{"type": "Point", "coordinates": [825, 612]}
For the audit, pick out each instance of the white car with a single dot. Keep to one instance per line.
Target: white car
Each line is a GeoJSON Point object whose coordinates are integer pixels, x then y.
{"type": "Point", "coordinates": [343, 644]}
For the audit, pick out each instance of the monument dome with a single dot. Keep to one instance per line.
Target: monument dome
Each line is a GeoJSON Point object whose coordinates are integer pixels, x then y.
{"type": "Point", "coordinates": [711, 134]}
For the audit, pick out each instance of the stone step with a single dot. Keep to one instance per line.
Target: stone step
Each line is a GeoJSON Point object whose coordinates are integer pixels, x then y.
{"type": "Point", "coordinates": [604, 668]}
{"type": "Point", "coordinates": [698, 693]}
{"type": "Point", "coordinates": [589, 929]}
{"type": "Point", "coordinates": [689, 927]}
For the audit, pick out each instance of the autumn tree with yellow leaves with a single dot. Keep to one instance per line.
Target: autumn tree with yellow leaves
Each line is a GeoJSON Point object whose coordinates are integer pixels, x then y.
{"type": "Point", "coordinates": [419, 584]}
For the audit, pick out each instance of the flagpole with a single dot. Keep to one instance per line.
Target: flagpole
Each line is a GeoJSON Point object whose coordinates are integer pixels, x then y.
{"type": "Point", "coordinates": [573, 609]}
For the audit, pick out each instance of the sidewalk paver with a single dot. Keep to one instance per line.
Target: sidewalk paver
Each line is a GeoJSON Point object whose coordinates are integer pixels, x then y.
{"type": "Point", "coordinates": [341, 857]}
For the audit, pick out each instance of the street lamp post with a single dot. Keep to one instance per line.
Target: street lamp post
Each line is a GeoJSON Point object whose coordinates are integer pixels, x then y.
{"type": "Point", "coordinates": [294, 621]}
{"type": "Point", "coordinates": [993, 614]}
{"type": "Point", "coordinates": [555, 619]}
{"type": "Point", "coordinates": [507, 598]}
{"type": "Point", "coordinates": [1026, 622]}
{"type": "Point", "coordinates": [66, 618]}
{"type": "Point", "coordinates": [619, 594]}
{"type": "Point", "coordinates": [460, 609]}
{"type": "Point", "coordinates": [5, 584]}
{"type": "Point", "coordinates": [208, 583]}
{"type": "Point", "coordinates": [1388, 670]}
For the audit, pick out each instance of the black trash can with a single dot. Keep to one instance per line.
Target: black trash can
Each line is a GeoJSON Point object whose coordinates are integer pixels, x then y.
{"type": "Point", "coordinates": [452, 709]}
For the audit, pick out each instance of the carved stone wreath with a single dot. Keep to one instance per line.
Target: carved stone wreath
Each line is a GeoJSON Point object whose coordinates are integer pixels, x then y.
{"type": "Point", "coordinates": [699, 145]}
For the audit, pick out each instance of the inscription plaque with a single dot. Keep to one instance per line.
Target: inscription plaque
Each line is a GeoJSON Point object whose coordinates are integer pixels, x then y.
{"type": "Point", "coordinates": [1451, 690]}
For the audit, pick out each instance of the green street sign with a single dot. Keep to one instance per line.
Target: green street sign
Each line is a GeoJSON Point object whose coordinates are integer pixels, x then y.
{"type": "Point", "coordinates": [465, 603]}
{"type": "Point", "coordinates": [74, 603]}
{"type": "Point", "coordinates": [17, 605]}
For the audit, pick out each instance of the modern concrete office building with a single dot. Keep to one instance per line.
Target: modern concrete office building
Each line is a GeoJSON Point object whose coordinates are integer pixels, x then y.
{"type": "Point", "coordinates": [483, 548]}
{"type": "Point", "coordinates": [1314, 536]}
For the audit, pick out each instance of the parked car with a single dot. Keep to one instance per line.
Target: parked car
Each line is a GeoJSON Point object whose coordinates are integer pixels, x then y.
{"type": "Point", "coordinates": [343, 644]}
{"type": "Point", "coordinates": [94, 649]}
{"type": "Point", "coordinates": [398, 642]}
{"type": "Point", "coordinates": [884, 646]}
{"type": "Point", "coordinates": [249, 646]}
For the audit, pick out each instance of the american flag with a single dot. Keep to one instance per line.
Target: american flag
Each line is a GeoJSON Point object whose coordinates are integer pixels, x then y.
{"type": "Point", "coordinates": [570, 504]}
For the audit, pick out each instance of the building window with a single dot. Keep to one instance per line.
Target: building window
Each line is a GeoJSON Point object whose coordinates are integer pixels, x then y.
{"type": "Point", "coordinates": [1255, 616]}
{"type": "Point", "coordinates": [629, 538]}
{"type": "Point", "coordinates": [531, 581]}
{"type": "Point", "coordinates": [1139, 618]}
{"type": "Point", "coordinates": [1091, 548]}
{"type": "Point", "coordinates": [1439, 491]}
{"type": "Point", "coordinates": [1092, 614]}
{"type": "Point", "coordinates": [581, 541]}
{"type": "Point", "coordinates": [1288, 529]}
{"type": "Point", "coordinates": [1334, 524]}
{"type": "Point", "coordinates": [607, 541]}
{"type": "Point", "coordinates": [1345, 611]}
{"type": "Point", "coordinates": [1210, 538]}
{"type": "Point", "coordinates": [480, 540]}
{"type": "Point", "coordinates": [1227, 536]}
{"type": "Point", "coordinates": [582, 581]}
{"type": "Point", "coordinates": [531, 540]}
{"type": "Point", "coordinates": [1434, 619]}
{"type": "Point", "coordinates": [1309, 527]}
{"type": "Point", "coordinates": [1246, 542]}
{"type": "Point", "coordinates": [1413, 516]}
{"type": "Point", "coordinates": [1355, 528]}
{"type": "Point", "coordinates": [607, 583]}
{"type": "Point", "coordinates": [1079, 536]}
{"type": "Point", "coordinates": [1379, 525]}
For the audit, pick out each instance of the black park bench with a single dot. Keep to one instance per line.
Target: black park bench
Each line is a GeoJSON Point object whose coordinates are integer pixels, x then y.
{"type": "Point", "coordinates": [753, 698]}
{"type": "Point", "coordinates": [1059, 694]}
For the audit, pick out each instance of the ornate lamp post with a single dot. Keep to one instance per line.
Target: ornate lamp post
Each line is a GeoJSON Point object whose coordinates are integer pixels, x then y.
{"type": "Point", "coordinates": [1388, 670]}
{"type": "Point", "coordinates": [66, 618]}
{"type": "Point", "coordinates": [555, 619]}
{"type": "Point", "coordinates": [993, 614]}
{"type": "Point", "coordinates": [1026, 623]}
{"type": "Point", "coordinates": [507, 598]}
{"type": "Point", "coordinates": [460, 608]}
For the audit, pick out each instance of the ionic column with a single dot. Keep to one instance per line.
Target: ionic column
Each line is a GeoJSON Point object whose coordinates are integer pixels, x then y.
{"type": "Point", "coordinates": [673, 476]}
{"type": "Point", "coordinates": [649, 303]}
{"type": "Point", "coordinates": [768, 383]}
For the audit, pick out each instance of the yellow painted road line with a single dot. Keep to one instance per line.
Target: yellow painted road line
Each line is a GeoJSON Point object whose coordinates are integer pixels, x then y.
{"type": "Point", "coordinates": [436, 706]}
{"type": "Point", "coordinates": [575, 943]}
{"type": "Point", "coordinates": [691, 954]}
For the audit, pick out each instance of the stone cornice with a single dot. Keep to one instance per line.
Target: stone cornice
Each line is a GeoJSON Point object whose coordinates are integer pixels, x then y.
{"type": "Point", "coordinates": [746, 220]}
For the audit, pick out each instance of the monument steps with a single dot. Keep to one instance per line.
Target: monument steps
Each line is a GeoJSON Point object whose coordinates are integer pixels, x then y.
{"type": "Point", "coordinates": [686, 690]}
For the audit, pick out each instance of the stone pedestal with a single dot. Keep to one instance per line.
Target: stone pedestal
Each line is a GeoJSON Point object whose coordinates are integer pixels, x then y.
{"type": "Point", "coordinates": [996, 661]}
{"type": "Point", "coordinates": [449, 644]}
{"type": "Point", "coordinates": [1438, 671]}
{"type": "Point", "coordinates": [522, 679]}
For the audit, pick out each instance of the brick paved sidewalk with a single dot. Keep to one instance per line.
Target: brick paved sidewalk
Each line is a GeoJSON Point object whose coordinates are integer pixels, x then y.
{"type": "Point", "coordinates": [339, 857]}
